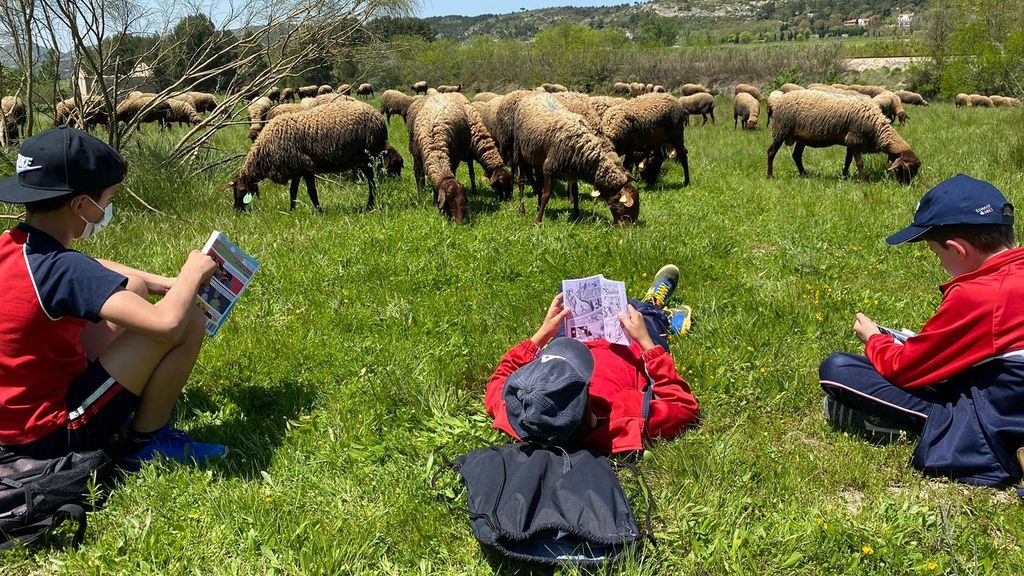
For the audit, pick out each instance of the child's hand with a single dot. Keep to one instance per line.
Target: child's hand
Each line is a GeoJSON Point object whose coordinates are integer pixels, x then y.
{"type": "Point", "coordinates": [199, 265]}
{"type": "Point", "coordinates": [633, 324]}
{"type": "Point", "coordinates": [865, 327]}
{"type": "Point", "coordinates": [557, 313]}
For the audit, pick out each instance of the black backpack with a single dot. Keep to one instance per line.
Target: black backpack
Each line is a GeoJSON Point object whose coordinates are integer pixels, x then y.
{"type": "Point", "coordinates": [36, 496]}
{"type": "Point", "coordinates": [546, 505]}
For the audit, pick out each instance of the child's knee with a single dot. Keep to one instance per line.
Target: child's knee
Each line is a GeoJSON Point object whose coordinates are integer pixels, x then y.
{"type": "Point", "coordinates": [195, 331]}
{"type": "Point", "coordinates": [137, 285]}
{"type": "Point", "coordinates": [836, 365]}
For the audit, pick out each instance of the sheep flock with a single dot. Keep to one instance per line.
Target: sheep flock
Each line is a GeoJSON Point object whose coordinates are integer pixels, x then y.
{"type": "Point", "coordinates": [526, 138]}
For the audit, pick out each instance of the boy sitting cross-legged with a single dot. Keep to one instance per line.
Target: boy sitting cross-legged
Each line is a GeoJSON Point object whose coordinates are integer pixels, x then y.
{"type": "Point", "coordinates": [959, 383]}
{"type": "Point", "coordinates": [82, 349]}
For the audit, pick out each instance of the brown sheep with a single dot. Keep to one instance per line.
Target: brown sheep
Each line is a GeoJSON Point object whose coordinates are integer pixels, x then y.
{"type": "Point", "coordinates": [324, 89]}
{"type": "Point", "coordinates": [282, 109]}
{"type": "Point", "coordinates": [420, 87]}
{"type": "Point", "coordinates": [485, 96]}
{"type": "Point", "coordinates": [182, 112]}
{"type": "Point", "coordinates": [810, 118]}
{"type": "Point", "coordinates": [144, 108]}
{"type": "Point", "coordinates": [790, 87]}
{"type": "Point", "coordinates": [747, 107]}
{"type": "Point", "coordinates": [772, 99]}
{"type": "Point", "coordinates": [95, 112]}
{"type": "Point", "coordinates": [341, 136]}
{"type": "Point", "coordinates": [556, 144]}
{"type": "Point", "coordinates": [274, 94]}
{"type": "Point", "coordinates": [892, 106]}
{"type": "Point", "coordinates": [601, 104]}
{"type": "Point", "coordinates": [345, 89]}
{"type": "Point", "coordinates": [700, 103]}
{"type": "Point", "coordinates": [287, 95]}
{"type": "Point", "coordinates": [749, 89]}
{"type": "Point", "coordinates": [691, 89]}
{"type": "Point", "coordinates": [620, 88]}
{"type": "Point", "coordinates": [979, 101]}
{"type": "Point", "coordinates": [642, 127]}
{"type": "Point", "coordinates": [307, 91]}
{"type": "Point", "coordinates": [365, 90]}
{"type": "Point", "coordinates": [257, 110]}
{"type": "Point", "coordinates": [908, 97]}
{"type": "Point", "coordinates": [12, 113]}
{"type": "Point", "coordinates": [393, 102]}
{"type": "Point", "coordinates": [962, 100]}
{"type": "Point", "coordinates": [636, 89]}
{"type": "Point", "coordinates": [868, 90]}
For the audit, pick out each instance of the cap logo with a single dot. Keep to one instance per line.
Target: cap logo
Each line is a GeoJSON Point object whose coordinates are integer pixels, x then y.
{"type": "Point", "coordinates": [25, 165]}
{"type": "Point", "coordinates": [547, 357]}
{"type": "Point", "coordinates": [986, 209]}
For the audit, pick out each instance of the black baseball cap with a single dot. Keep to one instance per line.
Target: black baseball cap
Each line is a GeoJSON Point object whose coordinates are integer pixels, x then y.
{"type": "Point", "coordinates": [957, 200]}
{"type": "Point", "coordinates": [546, 400]}
{"type": "Point", "coordinates": [61, 161]}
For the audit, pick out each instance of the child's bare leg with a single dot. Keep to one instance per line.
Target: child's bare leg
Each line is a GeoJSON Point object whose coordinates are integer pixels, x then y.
{"type": "Point", "coordinates": [99, 335]}
{"type": "Point", "coordinates": [155, 371]}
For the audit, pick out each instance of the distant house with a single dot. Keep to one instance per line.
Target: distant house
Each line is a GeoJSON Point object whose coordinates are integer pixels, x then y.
{"type": "Point", "coordinates": [850, 23]}
{"type": "Point", "coordinates": [863, 21]}
{"type": "Point", "coordinates": [140, 78]}
{"type": "Point", "coordinates": [905, 20]}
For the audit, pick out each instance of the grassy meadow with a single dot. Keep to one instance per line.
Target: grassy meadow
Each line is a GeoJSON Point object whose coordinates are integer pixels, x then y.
{"type": "Point", "coordinates": [354, 366]}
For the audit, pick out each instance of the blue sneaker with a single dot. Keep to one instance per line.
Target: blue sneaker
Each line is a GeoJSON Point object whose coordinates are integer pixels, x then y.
{"type": "Point", "coordinates": [680, 320]}
{"type": "Point", "coordinates": [846, 419]}
{"type": "Point", "coordinates": [175, 444]}
{"type": "Point", "coordinates": [665, 282]}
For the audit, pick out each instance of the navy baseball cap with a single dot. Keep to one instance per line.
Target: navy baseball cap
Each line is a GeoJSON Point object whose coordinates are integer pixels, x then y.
{"type": "Point", "coordinates": [957, 200]}
{"type": "Point", "coordinates": [546, 400]}
{"type": "Point", "coordinates": [62, 161]}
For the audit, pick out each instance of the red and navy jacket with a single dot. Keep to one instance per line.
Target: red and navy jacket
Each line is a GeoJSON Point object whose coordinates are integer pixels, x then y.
{"type": "Point", "coordinates": [981, 317]}
{"type": "Point", "coordinates": [49, 294]}
{"type": "Point", "coordinates": [616, 395]}
{"type": "Point", "coordinates": [968, 360]}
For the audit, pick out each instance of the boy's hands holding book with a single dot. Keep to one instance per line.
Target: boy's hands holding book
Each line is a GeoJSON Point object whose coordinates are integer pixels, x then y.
{"type": "Point", "coordinates": [557, 313]}
{"type": "Point", "coordinates": [865, 327]}
{"type": "Point", "coordinates": [199, 266]}
{"type": "Point", "coordinates": [634, 325]}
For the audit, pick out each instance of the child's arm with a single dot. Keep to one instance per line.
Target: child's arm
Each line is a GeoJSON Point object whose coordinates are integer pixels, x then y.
{"type": "Point", "coordinates": [155, 283]}
{"type": "Point", "coordinates": [166, 320]}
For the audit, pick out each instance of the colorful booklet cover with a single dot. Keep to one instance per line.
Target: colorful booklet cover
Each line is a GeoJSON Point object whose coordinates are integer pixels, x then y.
{"type": "Point", "coordinates": [235, 270]}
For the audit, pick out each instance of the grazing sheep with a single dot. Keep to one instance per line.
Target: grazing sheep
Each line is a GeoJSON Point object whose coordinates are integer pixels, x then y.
{"type": "Point", "coordinates": [642, 127]}
{"type": "Point", "coordinates": [977, 100]}
{"type": "Point", "coordinates": [601, 104]}
{"type": "Point", "coordinates": [892, 106]}
{"type": "Point", "coordinates": [308, 91]}
{"type": "Point", "coordinates": [636, 89]}
{"type": "Point", "coordinates": [749, 89]}
{"type": "Point", "coordinates": [659, 89]}
{"type": "Point", "coordinates": [557, 144]}
{"type": "Point", "coordinates": [365, 90]}
{"type": "Point", "coordinates": [649, 88]}
{"type": "Point", "coordinates": [691, 89]}
{"type": "Point", "coordinates": [1004, 102]}
{"type": "Point", "coordinates": [838, 92]}
{"type": "Point", "coordinates": [870, 91]}
{"type": "Point", "coordinates": [487, 111]}
{"type": "Point", "coordinates": [772, 99]}
{"type": "Point", "coordinates": [445, 130]}
{"type": "Point", "coordinates": [287, 95]}
{"type": "Point", "coordinates": [146, 108]}
{"type": "Point", "coordinates": [620, 88]}
{"type": "Point", "coordinates": [258, 109]}
{"type": "Point", "coordinates": [485, 96]}
{"type": "Point", "coordinates": [1013, 102]}
{"type": "Point", "coordinates": [553, 87]}
{"type": "Point", "coordinates": [420, 87]}
{"type": "Point", "coordinates": [328, 139]}
{"type": "Point", "coordinates": [345, 90]}
{"type": "Point", "coordinates": [790, 87]}
{"type": "Point", "coordinates": [747, 107]}
{"type": "Point", "coordinates": [700, 103]}
{"type": "Point", "coordinates": [201, 101]}
{"type": "Point", "coordinates": [181, 112]}
{"type": "Point", "coordinates": [12, 113]}
{"type": "Point", "coordinates": [579, 103]}
{"type": "Point", "coordinates": [811, 118]}
{"type": "Point", "coordinates": [962, 100]}
{"type": "Point", "coordinates": [908, 97]}
{"type": "Point", "coordinates": [274, 94]}
{"type": "Point", "coordinates": [323, 99]}
{"type": "Point", "coordinates": [324, 89]}
{"type": "Point", "coordinates": [393, 102]}
{"type": "Point", "coordinates": [94, 112]}
{"type": "Point", "coordinates": [446, 89]}
{"type": "Point", "coordinates": [282, 109]}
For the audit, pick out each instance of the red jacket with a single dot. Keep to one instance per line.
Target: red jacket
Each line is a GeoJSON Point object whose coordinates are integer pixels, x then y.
{"type": "Point", "coordinates": [616, 395]}
{"type": "Point", "coordinates": [981, 316]}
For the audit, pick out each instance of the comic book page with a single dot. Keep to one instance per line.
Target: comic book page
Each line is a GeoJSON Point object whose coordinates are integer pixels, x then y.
{"type": "Point", "coordinates": [235, 269]}
{"type": "Point", "coordinates": [595, 303]}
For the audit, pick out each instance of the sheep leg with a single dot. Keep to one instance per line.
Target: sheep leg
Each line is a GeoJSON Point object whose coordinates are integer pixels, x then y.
{"type": "Point", "coordinates": [798, 157]}
{"type": "Point", "coordinates": [542, 199]}
{"type": "Point", "coordinates": [772, 151]}
{"type": "Point", "coordinates": [293, 193]}
{"type": "Point", "coordinates": [712, 115]}
{"type": "Point", "coordinates": [574, 198]}
{"type": "Point", "coordinates": [417, 170]}
{"type": "Point", "coordinates": [860, 165]}
{"type": "Point", "coordinates": [846, 164]}
{"type": "Point", "coordinates": [472, 177]}
{"type": "Point", "coordinates": [310, 179]}
{"type": "Point", "coordinates": [368, 172]}
{"type": "Point", "coordinates": [522, 185]}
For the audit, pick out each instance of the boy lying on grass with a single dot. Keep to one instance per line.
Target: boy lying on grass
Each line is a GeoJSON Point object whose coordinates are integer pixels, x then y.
{"type": "Point", "coordinates": [959, 383]}
{"type": "Point", "coordinates": [591, 394]}
{"type": "Point", "coordinates": [82, 350]}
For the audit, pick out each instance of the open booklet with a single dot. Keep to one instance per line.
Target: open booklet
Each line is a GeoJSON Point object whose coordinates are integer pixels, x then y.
{"type": "Point", "coordinates": [900, 336]}
{"type": "Point", "coordinates": [596, 303]}
{"type": "Point", "coordinates": [235, 269]}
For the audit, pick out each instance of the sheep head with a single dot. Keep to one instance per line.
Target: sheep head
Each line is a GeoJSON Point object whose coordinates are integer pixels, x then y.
{"type": "Point", "coordinates": [625, 205]}
{"type": "Point", "coordinates": [904, 166]}
{"type": "Point", "coordinates": [243, 192]}
{"type": "Point", "coordinates": [451, 199]}
{"type": "Point", "coordinates": [501, 182]}
{"type": "Point", "coordinates": [650, 167]}
{"type": "Point", "coordinates": [393, 162]}
{"type": "Point", "coordinates": [902, 116]}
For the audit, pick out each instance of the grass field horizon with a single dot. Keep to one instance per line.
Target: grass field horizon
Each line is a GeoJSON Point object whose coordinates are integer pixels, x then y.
{"type": "Point", "coordinates": [354, 365]}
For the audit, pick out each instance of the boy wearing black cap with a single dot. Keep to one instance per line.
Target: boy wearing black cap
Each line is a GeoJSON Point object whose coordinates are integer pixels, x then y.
{"type": "Point", "coordinates": [959, 382]}
{"type": "Point", "coordinates": [82, 350]}
{"type": "Point", "coordinates": [598, 395]}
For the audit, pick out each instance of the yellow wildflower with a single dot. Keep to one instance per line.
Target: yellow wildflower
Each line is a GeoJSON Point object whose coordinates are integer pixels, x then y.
{"type": "Point", "coordinates": [867, 550]}
{"type": "Point", "coordinates": [932, 565]}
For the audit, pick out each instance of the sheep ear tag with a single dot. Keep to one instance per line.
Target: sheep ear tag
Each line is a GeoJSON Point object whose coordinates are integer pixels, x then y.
{"type": "Point", "coordinates": [594, 193]}
{"type": "Point", "coordinates": [247, 199]}
{"type": "Point", "coordinates": [627, 200]}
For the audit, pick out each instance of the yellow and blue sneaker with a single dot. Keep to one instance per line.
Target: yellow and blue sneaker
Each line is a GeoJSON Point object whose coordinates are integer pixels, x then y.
{"type": "Point", "coordinates": [680, 320]}
{"type": "Point", "coordinates": [665, 282]}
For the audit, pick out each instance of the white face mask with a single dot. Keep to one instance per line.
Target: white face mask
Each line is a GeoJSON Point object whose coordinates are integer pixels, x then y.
{"type": "Point", "coordinates": [93, 228]}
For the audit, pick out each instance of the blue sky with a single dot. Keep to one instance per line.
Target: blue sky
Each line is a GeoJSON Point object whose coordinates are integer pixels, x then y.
{"type": "Point", "coordinates": [475, 7]}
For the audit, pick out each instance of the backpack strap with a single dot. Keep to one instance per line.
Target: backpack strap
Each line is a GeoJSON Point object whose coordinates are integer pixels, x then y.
{"type": "Point", "coordinates": [648, 495]}
{"type": "Point", "coordinates": [32, 532]}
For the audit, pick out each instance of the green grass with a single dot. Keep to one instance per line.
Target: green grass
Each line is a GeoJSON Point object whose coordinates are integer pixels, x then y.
{"type": "Point", "coordinates": [355, 364]}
